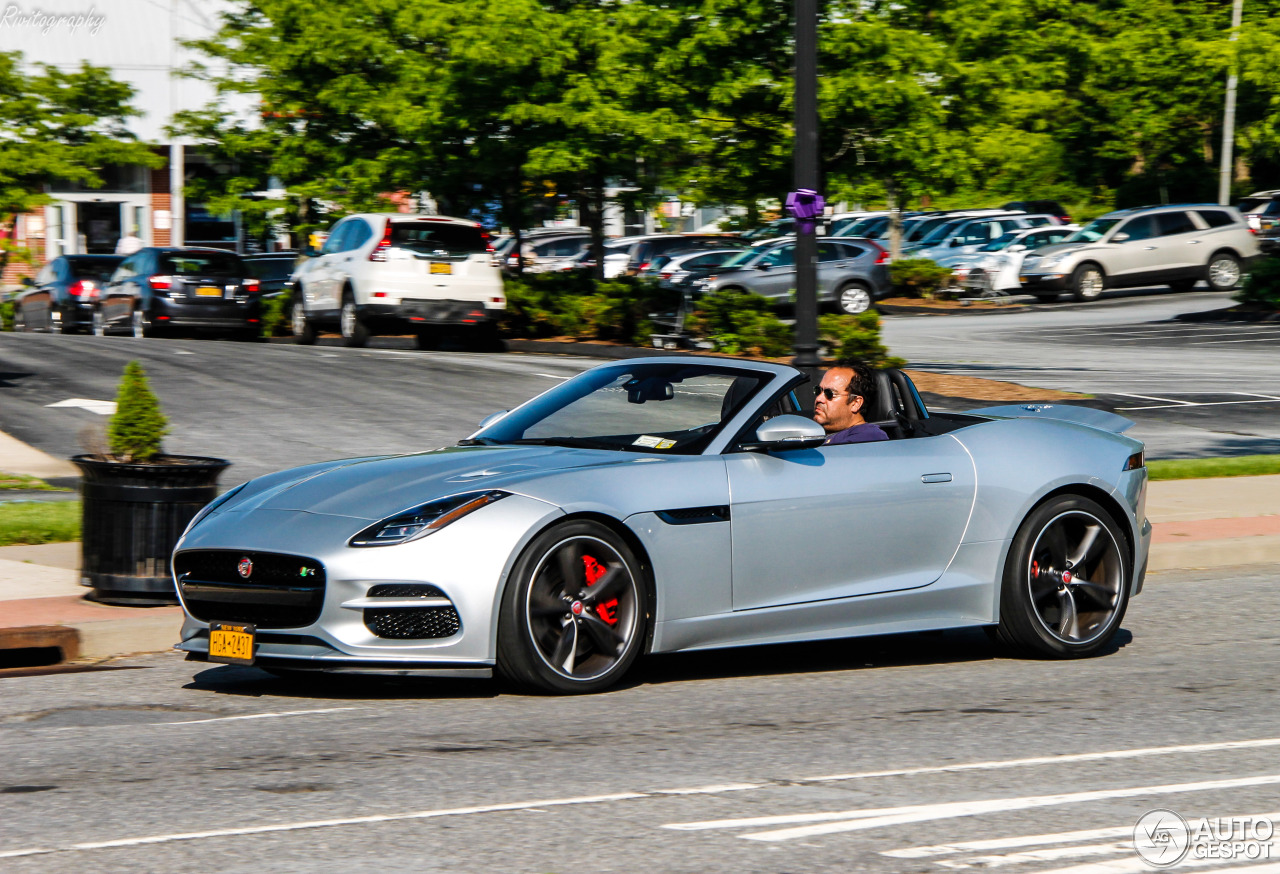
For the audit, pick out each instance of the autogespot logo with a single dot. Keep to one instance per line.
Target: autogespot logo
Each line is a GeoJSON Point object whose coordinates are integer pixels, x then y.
{"type": "Point", "coordinates": [1161, 838]}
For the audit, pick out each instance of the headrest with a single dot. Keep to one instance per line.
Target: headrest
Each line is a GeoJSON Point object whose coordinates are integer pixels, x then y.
{"type": "Point", "coordinates": [881, 408]}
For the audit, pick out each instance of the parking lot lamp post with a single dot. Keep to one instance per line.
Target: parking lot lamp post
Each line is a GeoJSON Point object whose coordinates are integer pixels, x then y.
{"type": "Point", "coordinates": [1229, 114]}
{"type": "Point", "coordinates": [806, 179]}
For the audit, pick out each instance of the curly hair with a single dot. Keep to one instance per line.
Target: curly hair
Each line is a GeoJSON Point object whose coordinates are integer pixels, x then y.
{"type": "Point", "coordinates": [863, 381]}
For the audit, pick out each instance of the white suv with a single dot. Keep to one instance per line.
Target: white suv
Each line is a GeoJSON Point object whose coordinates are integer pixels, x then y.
{"type": "Point", "coordinates": [382, 273]}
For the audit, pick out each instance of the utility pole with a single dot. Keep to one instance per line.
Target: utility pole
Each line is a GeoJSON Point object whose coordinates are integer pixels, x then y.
{"type": "Point", "coordinates": [1225, 171]}
{"type": "Point", "coordinates": [806, 178]}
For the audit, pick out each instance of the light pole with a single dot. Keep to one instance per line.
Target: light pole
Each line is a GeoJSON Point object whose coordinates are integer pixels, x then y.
{"type": "Point", "coordinates": [806, 178]}
{"type": "Point", "coordinates": [1229, 114]}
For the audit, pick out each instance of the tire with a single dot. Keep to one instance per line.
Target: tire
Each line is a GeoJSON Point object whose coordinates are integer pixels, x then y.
{"type": "Point", "coordinates": [304, 332]}
{"type": "Point", "coordinates": [55, 325]}
{"type": "Point", "coordinates": [1223, 271]}
{"type": "Point", "coordinates": [1087, 282]}
{"type": "Point", "coordinates": [19, 319]}
{"type": "Point", "coordinates": [853, 298]}
{"type": "Point", "coordinates": [557, 637]}
{"type": "Point", "coordinates": [427, 338]}
{"type": "Point", "coordinates": [1181, 285]}
{"type": "Point", "coordinates": [484, 338]}
{"type": "Point", "coordinates": [354, 332]}
{"type": "Point", "coordinates": [1044, 592]}
{"type": "Point", "coordinates": [140, 326]}
{"type": "Point", "coordinates": [98, 326]}
{"type": "Point", "coordinates": [249, 335]}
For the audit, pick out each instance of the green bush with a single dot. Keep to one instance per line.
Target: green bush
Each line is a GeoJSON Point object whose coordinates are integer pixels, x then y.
{"type": "Point", "coordinates": [918, 277]}
{"type": "Point", "coordinates": [856, 337]}
{"type": "Point", "coordinates": [138, 426]}
{"type": "Point", "coordinates": [6, 315]}
{"type": "Point", "coordinates": [276, 315]}
{"type": "Point", "coordinates": [1263, 284]}
{"type": "Point", "coordinates": [739, 322]}
{"type": "Point", "coordinates": [563, 305]}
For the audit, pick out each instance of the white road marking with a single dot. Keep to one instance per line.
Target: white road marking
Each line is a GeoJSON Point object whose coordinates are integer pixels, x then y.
{"type": "Point", "coordinates": [182, 352]}
{"type": "Point", "coordinates": [256, 716]}
{"type": "Point", "coordinates": [1149, 398]}
{"type": "Point", "coordinates": [102, 408]}
{"type": "Point", "coordinates": [1050, 854]}
{"type": "Point", "coordinates": [1008, 843]}
{"type": "Point", "coordinates": [1136, 865]}
{"type": "Point", "coordinates": [551, 376]}
{"type": "Point", "coordinates": [1183, 404]}
{"type": "Point", "coordinates": [1267, 339]}
{"type": "Point", "coordinates": [857, 820]}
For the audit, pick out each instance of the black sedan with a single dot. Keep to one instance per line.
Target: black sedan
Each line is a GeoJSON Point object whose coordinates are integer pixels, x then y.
{"type": "Point", "coordinates": [274, 270]}
{"type": "Point", "coordinates": [156, 289]}
{"type": "Point", "coordinates": [62, 297]}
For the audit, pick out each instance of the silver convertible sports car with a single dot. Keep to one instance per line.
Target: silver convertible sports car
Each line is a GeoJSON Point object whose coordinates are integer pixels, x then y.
{"type": "Point", "coordinates": [668, 504]}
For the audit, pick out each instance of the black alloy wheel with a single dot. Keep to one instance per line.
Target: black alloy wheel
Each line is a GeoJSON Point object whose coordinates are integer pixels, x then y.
{"type": "Point", "coordinates": [1066, 582]}
{"type": "Point", "coordinates": [575, 612]}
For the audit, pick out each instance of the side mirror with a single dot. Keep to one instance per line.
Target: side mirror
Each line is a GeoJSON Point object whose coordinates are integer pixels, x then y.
{"type": "Point", "coordinates": [782, 433]}
{"type": "Point", "coordinates": [956, 242]}
{"type": "Point", "coordinates": [491, 418]}
{"type": "Point", "coordinates": [1120, 237]}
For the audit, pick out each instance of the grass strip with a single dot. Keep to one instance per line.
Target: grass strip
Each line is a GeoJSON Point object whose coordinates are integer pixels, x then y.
{"type": "Point", "coordinates": [39, 522]}
{"type": "Point", "coordinates": [1203, 468]}
{"type": "Point", "coordinates": [23, 483]}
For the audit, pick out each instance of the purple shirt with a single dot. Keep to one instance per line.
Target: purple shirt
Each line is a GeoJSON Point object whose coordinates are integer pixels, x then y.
{"type": "Point", "coordinates": [864, 433]}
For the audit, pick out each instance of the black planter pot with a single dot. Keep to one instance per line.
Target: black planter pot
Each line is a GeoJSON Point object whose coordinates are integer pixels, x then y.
{"type": "Point", "coordinates": [133, 517]}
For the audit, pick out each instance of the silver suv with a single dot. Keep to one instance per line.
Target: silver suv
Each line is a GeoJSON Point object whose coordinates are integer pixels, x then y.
{"type": "Point", "coordinates": [1175, 246]}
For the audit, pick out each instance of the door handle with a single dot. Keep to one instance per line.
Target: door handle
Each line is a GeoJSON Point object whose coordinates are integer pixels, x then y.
{"type": "Point", "coordinates": [936, 478]}
{"type": "Point", "coordinates": [1148, 248]}
{"type": "Point", "coordinates": [1193, 242]}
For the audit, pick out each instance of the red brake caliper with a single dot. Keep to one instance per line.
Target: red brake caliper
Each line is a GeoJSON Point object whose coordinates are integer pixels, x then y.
{"type": "Point", "coordinates": [594, 571]}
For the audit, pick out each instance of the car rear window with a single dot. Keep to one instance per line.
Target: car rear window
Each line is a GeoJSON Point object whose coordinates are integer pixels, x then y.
{"type": "Point", "coordinates": [201, 264]}
{"type": "Point", "coordinates": [94, 268]}
{"type": "Point", "coordinates": [270, 268]}
{"type": "Point", "coordinates": [1216, 218]}
{"type": "Point", "coordinates": [435, 238]}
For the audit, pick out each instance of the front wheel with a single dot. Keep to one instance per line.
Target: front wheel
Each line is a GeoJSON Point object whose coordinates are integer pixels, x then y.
{"type": "Point", "coordinates": [303, 331]}
{"type": "Point", "coordinates": [1087, 282]}
{"type": "Point", "coordinates": [853, 299]}
{"type": "Point", "coordinates": [574, 615]}
{"type": "Point", "coordinates": [1224, 272]}
{"type": "Point", "coordinates": [1066, 581]}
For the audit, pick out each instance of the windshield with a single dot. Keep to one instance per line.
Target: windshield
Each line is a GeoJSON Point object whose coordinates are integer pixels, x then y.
{"type": "Point", "coordinates": [1001, 242]}
{"type": "Point", "coordinates": [438, 238]}
{"type": "Point", "coordinates": [746, 256]}
{"type": "Point", "coordinates": [942, 231]}
{"type": "Point", "coordinates": [921, 228]}
{"type": "Point", "coordinates": [663, 408]}
{"type": "Point", "coordinates": [1092, 232]}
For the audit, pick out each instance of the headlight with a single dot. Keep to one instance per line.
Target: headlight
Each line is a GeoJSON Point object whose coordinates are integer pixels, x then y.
{"type": "Point", "coordinates": [421, 520]}
{"type": "Point", "coordinates": [213, 505]}
{"type": "Point", "coordinates": [1053, 260]}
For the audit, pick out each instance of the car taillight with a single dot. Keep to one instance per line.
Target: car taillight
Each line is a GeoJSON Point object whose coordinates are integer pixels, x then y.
{"type": "Point", "coordinates": [883, 257]}
{"type": "Point", "coordinates": [1253, 230]}
{"type": "Point", "coordinates": [642, 266]}
{"type": "Point", "coordinates": [161, 283]}
{"type": "Point", "coordinates": [488, 241]}
{"type": "Point", "coordinates": [85, 288]}
{"type": "Point", "coordinates": [664, 275]}
{"type": "Point", "coordinates": [251, 285]}
{"type": "Point", "coordinates": [379, 252]}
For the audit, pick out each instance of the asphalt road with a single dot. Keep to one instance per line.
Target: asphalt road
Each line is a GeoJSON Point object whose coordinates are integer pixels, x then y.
{"type": "Point", "coordinates": [916, 753]}
{"type": "Point", "coordinates": [1194, 388]}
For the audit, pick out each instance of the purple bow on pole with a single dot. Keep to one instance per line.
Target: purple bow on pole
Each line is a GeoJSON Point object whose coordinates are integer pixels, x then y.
{"type": "Point", "coordinates": [805, 205]}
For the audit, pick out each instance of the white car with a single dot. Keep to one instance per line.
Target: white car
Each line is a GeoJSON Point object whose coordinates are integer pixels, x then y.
{"type": "Point", "coordinates": [995, 267]}
{"type": "Point", "coordinates": [397, 273]}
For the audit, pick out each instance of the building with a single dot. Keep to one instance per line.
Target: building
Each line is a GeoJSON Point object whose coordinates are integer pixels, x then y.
{"type": "Point", "coordinates": [140, 41]}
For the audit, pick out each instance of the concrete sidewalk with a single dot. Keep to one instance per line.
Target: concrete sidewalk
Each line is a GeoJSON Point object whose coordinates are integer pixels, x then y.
{"type": "Point", "coordinates": [1197, 524]}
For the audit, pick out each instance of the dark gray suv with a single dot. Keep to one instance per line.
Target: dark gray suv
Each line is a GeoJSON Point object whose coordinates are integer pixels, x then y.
{"type": "Point", "coordinates": [853, 273]}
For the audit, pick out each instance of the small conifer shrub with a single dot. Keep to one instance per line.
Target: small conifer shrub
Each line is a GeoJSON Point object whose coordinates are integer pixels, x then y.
{"type": "Point", "coordinates": [138, 425]}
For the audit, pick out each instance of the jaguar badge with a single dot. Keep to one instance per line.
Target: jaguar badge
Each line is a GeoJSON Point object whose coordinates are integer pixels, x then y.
{"type": "Point", "coordinates": [245, 567]}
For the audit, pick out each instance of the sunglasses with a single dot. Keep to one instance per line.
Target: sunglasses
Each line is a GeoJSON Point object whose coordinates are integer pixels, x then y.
{"type": "Point", "coordinates": [829, 392]}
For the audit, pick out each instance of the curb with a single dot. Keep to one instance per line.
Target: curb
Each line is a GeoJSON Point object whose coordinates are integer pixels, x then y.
{"type": "Point", "coordinates": [906, 310]}
{"type": "Point", "coordinates": [1227, 315]}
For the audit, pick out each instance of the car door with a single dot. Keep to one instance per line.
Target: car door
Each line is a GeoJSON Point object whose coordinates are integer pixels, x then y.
{"type": "Point", "coordinates": [775, 273]}
{"type": "Point", "coordinates": [1181, 248]}
{"type": "Point", "coordinates": [119, 297]}
{"type": "Point", "coordinates": [1134, 251]}
{"type": "Point", "coordinates": [348, 263]}
{"type": "Point", "coordinates": [321, 292]}
{"type": "Point", "coordinates": [37, 304]}
{"type": "Point", "coordinates": [841, 521]}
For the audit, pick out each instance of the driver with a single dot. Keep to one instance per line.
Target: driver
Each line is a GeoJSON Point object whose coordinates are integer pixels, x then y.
{"type": "Point", "coordinates": [846, 389]}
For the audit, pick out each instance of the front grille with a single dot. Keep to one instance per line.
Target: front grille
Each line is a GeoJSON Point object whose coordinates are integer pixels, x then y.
{"type": "Point", "coordinates": [281, 591]}
{"type": "Point", "coordinates": [411, 623]}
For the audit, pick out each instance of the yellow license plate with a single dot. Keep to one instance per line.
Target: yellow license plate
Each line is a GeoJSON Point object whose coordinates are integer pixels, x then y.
{"type": "Point", "coordinates": [441, 268]}
{"type": "Point", "coordinates": [209, 291]}
{"type": "Point", "coordinates": [231, 643]}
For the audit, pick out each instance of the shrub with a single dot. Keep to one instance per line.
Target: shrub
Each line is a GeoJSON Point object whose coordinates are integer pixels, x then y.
{"type": "Point", "coordinates": [138, 426]}
{"type": "Point", "coordinates": [739, 322]}
{"type": "Point", "coordinates": [567, 305]}
{"type": "Point", "coordinates": [1263, 284]}
{"type": "Point", "coordinates": [276, 315]}
{"type": "Point", "coordinates": [856, 337]}
{"type": "Point", "coordinates": [6, 315]}
{"type": "Point", "coordinates": [918, 277]}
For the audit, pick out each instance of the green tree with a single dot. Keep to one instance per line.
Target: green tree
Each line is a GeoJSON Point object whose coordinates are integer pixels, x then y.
{"type": "Point", "coordinates": [59, 125]}
{"type": "Point", "coordinates": [137, 426]}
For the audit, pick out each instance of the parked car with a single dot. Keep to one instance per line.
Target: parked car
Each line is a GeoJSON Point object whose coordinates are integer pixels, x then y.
{"type": "Point", "coordinates": [995, 267]}
{"type": "Point", "coordinates": [838, 222]}
{"type": "Point", "coordinates": [966, 235]}
{"type": "Point", "coordinates": [64, 293]}
{"type": "Point", "coordinates": [768, 231]}
{"type": "Point", "coordinates": [274, 270]}
{"type": "Point", "coordinates": [504, 246]}
{"type": "Point", "coordinates": [1261, 207]}
{"type": "Point", "coordinates": [852, 273]}
{"type": "Point", "coordinates": [158, 288]}
{"type": "Point", "coordinates": [1051, 207]}
{"type": "Point", "coordinates": [399, 273]}
{"type": "Point", "coordinates": [1175, 246]}
{"type": "Point", "coordinates": [681, 269]}
{"type": "Point", "coordinates": [542, 252]}
{"type": "Point", "coordinates": [643, 249]}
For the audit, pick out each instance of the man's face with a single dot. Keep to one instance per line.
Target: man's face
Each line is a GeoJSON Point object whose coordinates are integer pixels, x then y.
{"type": "Point", "coordinates": [840, 411]}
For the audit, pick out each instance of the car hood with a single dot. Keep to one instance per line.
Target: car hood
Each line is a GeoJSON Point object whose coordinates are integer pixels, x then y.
{"type": "Point", "coordinates": [374, 488]}
{"type": "Point", "coordinates": [1057, 249]}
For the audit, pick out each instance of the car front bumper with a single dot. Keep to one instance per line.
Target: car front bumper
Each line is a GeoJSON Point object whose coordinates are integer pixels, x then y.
{"type": "Point", "coordinates": [1055, 281]}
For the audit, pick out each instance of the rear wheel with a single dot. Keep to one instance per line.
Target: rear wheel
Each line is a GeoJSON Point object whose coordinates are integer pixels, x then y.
{"type": "Point", "coordinates": [1224, 271]}
{"type": "Point", "coordinates": [853, 298]}
{"type": "Point", "coordinates": [1066, 581]}
{"type": "Point", "coordinates": [140, 325]}
{"type": "Point", "coordinates": [1087, 282]}
{"type": "Point", "coordinates": [98, 327]}
{"type": "Point", "coordinates": [55, 325]}
{"type": "Point", "coordinates": [19, 319]}
{"type": "Point", "coordinates": [303, 331]}
{"type": "Point", "coordinates": [575, 611]}
{"type": "Point", "coordinates": [1181, 285]}
{"type": "Point", "coordinates": [354, 332]}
